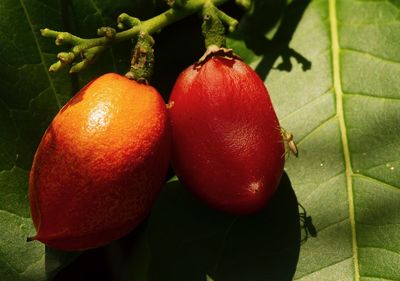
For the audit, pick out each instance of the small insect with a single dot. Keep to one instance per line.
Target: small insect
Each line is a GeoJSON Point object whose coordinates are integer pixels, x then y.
{"type": "Point", "coordinates": [290, 144]}
{"type": "Point", "coordinates": [308, 226]}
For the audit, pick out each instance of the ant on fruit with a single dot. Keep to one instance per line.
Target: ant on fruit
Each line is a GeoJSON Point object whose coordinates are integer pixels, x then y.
{"type": "Point", "coordinates": [307, 224]}
{"type": "Point", "coordinates": [290, 144]}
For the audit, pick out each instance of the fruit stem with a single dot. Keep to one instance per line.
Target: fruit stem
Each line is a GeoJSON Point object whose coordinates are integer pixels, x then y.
{"type": "Point", "coordinates": [89, 49]}
{"type": "Point", "coordinates": [30, 239]}
{"type": "Point", "coordinates": [214, 22]}
{"type": "Point", "coordinates": [142, 63]}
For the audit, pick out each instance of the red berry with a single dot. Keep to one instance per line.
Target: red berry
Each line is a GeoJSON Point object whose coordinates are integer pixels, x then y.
{"type": "Point", "coordinates": [227, 144]}
{"type": "Point", "coordinates": [100, 164]}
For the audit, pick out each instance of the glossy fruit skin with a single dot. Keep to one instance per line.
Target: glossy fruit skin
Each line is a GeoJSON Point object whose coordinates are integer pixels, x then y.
{"type": "Point", "coordinates": [227, 146]}
{"type": "Point", "coordinates": [100, 164]}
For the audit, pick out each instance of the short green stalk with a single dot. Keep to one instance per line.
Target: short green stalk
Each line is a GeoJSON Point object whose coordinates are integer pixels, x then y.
{"type": "Point", "coordinates": [142, 63]}
{"type": "Point", "coordinates": [87, 50]}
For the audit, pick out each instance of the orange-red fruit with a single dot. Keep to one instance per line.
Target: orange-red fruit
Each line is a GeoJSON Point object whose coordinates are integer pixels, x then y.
{"type": "Point", "coordinates": [227, 145]}
{"type": "Point", "coordinates": [100, 164]}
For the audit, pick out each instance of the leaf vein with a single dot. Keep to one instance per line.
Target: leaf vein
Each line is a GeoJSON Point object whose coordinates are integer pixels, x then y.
{"type": "Point", "coordinates": [377, 225]}
{"type": "Point", "coordinates": [366, 177]}
{"type": "Point", "coordinates": [13, 269]}
{"type": "Point", "coordinates": [98, 11]}
{"type": "Point", "coordinates": [331, 225]}
{"type": "Point", "coordinates": [315, 189]}
{"type": "Point", "coordinates": [343, 131]}
{"type": "Point", "coordinates": [371, 96]}
{"type": "Point", "coordinates": [324, 267]}
{"type": "Point", "coordinates": [316, 128]}
{"type": "Point", "coordinates": [369, 55]}
{"type": "Point", "coordinates": [380, 248]}
{"type": "Point", "coordinates": [307, 103]}
{"type": "Point", "coordinates": [380, 165]}
{"type": "Point", "coordinates": [40, 52]}
{"type": "Point", "coordinates": [377, 277]}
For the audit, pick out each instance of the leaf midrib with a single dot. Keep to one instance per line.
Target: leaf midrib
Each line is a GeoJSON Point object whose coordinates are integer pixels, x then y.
{"type": "Point", "coordinates": [40, 52]}
{"type": "Point", "coordinates": [343, 131]}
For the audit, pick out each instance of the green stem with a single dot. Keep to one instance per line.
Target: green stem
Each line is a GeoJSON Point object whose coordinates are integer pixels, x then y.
{"type": "Point", "coordinates": [214, 23]}
{"type": "Point", "coordinates": [213, 26]}
{"type": "Point", "coordinates": [160, 21]}
{"type": "Point", "coordinates": [89, 49]}
{"type": "Point", "coordinates": [142, 63]}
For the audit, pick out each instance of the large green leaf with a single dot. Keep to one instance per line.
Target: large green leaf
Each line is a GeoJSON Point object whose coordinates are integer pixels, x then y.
{"type": "Point", "coordinates": [29, 98]}
{"type": "Point", "coordinates": [335, 84]}
{"type": "Point", "coordinates": [186, 240]}
{"type": "Point", "coordinates": [332, 70]}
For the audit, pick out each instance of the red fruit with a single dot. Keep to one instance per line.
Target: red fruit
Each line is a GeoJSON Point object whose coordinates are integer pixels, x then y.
{"type": "Point", "coordinates": [227, 145]}
{"type": "Point", "coordinates": [100, 164]}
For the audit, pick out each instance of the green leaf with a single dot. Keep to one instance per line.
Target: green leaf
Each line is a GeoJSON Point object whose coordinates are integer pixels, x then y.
{"type": "Point", "coordinates": [30, 96]}
{"type": "Point", "coordinates": [87, 16]}
{"type": "Point", "coordinates": [186, 240]}
{"type": "Point", "coordinates": [334, 81]}
{"type": "Point", "coordinates": [332, 69]}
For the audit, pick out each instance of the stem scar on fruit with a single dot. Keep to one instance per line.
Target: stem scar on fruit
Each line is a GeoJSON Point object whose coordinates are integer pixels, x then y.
{"type": "Point", "coordinates": [214, 50]}
{"type": "Point", "coordinates": [288, 138]}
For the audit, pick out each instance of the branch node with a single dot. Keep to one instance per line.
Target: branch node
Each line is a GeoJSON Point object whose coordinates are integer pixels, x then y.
{"type": "Point", "coordinates": [79, 66]}
{"type": "Point", "coordinates": [59, 39]}
{"type": "Point", "coordinates": [43, 32]}
{"type": "Point", "coordinates": [125, 21]}
{"type": "Point", "coordinates": [77, 50]}
{"type": "Point", "coordinates": [85, 51]}
{"type": "Point", "coordinates": [66, 57]}
{"type": "Point", "coordinates": [227, 20]}
{"type": "Point", "coordinates": [107, 32]}
{"type": "Point", "coordinates": [56, 66]}
{"type": "Point", "coordinates": [246, 4]}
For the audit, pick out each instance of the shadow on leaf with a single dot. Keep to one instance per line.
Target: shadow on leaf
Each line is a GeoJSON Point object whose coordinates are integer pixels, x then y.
{"type": "Point", "coordinates": [307, 225]}
{"type": "Point", "coordinates": [56, 260]}
{"type": "Point", "coordinates": [186, 240]}
{"type": "Point", "coordinates": [281, 19]}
